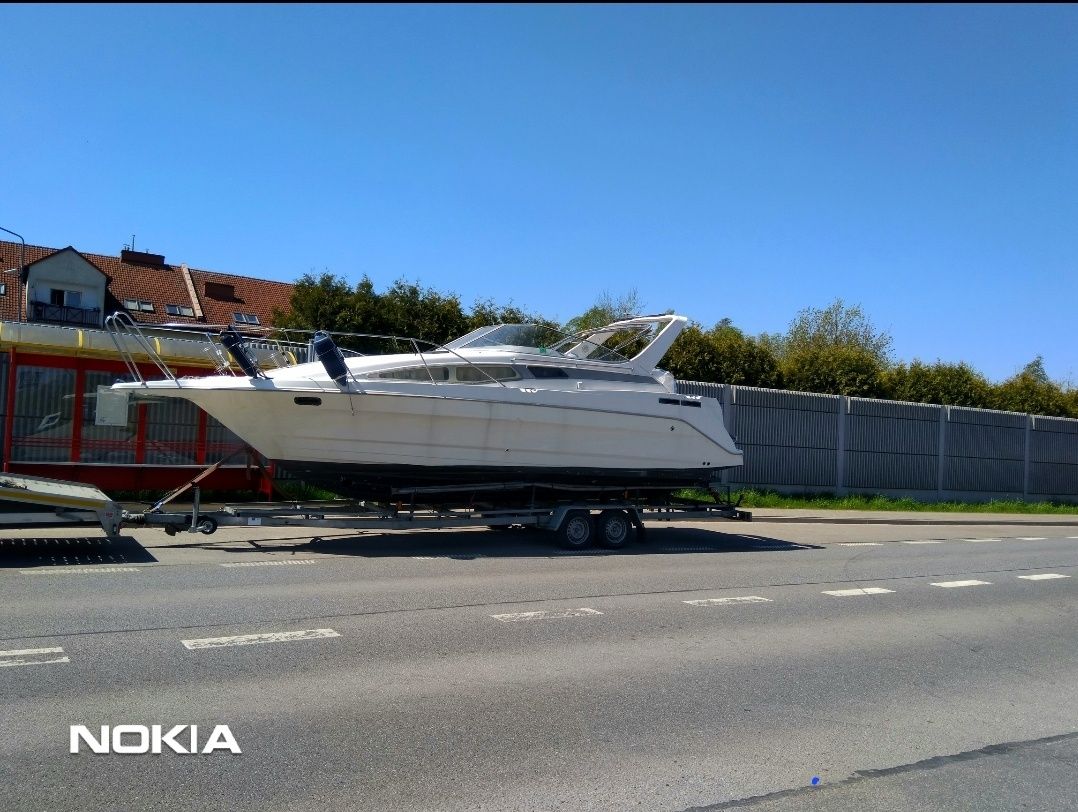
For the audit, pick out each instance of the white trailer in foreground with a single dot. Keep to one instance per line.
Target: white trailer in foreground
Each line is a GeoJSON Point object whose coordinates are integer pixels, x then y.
{"type": "Point", "coordinates": [578, 519]}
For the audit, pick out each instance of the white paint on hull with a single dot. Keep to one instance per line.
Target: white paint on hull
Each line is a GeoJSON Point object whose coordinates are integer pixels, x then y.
{"type": "Point", "coordinates": [484, 426]}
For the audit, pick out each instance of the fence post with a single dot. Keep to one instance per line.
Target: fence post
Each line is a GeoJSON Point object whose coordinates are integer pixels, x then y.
{"type": "Point", "coordinates": [729, 421]}
{"type": "Point", "coordinates": [945, 414]}
{"type": "Point", "coordinates": [1025, 462]}
{"type": "Point", "coordinates": [840, 465]}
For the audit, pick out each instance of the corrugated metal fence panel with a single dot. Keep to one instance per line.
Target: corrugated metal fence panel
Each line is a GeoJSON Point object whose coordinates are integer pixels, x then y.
{"type": "Point", "coordinates": [1053, 456]}
{"type": "Point", "coordinates": [892, 445]}
{"type": "Point", "coordinates": [985, 451]}
{"type": "Point", "coordinates": [789, 438]}
{"type": "Point", "coordinates": [707, 390]}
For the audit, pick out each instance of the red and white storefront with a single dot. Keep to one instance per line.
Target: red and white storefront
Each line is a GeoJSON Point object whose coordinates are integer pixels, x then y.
{"type": "Point", "coordinates": [49, 378]}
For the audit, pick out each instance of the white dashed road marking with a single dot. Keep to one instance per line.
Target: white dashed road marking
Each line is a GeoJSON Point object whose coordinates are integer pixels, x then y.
{"type": "Point", "coordinates": [727, 601]}
{"type": "Point", "coordinates": [33, 656]}
{"type": "Point", "coordinates": [1031, 538]}
{"type": "Point", "coordinates": [253, 639]}
{"type": "Point", "coordinates": [77, 570]}
{"type": "Point", "coordinates": [950, 584]}
{"type": "Point", "coordinates": [978, 541]}
{"type": "Point", "coordinates": [1047, 576]}
{"type": "Point", "coordinates": [512, 617]}
{"type": "Point", "coordinates": [860, 544]}
{"type": "Point", "coordinates": [869, 590]}
{"type": "Point", "coordinates": [270, 563]}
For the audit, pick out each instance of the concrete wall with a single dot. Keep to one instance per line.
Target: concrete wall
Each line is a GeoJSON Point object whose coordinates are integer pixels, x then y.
{"type": "Point", "coordinates": [800, 442]}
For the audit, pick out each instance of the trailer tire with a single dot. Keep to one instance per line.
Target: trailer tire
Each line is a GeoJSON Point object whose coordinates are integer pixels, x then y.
{"type": "Point", "coordinates": [615, 529]}
{"type": "Point", "coordinates": [207, 526]}
{"type": "Point", "coordinates": [577, 530]}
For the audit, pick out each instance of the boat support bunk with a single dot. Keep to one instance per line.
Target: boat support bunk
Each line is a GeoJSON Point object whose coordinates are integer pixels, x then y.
{"type": "Point", "coordinates": [578, 517]}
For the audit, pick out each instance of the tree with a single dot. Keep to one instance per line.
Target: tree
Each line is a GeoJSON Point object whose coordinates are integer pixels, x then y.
{"type": "Point", "coordinates": [406, 309]}
{"type": "Point", "coordinates": [836, 370]}
{"type": "Point", "coordinates": [1032, 391]}
{"type": "Point", "coordinates": [836, 326]}
{"type": "Point", "coordinates": [721, 355]}
{"type": "Point", "coordinates": [942, 383]}
{"type": "Point", "coordinates": [606, 310]}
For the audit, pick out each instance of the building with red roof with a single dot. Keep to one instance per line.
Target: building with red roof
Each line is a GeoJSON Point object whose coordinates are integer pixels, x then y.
{"type": "Point", "coordinates": [55, 354]}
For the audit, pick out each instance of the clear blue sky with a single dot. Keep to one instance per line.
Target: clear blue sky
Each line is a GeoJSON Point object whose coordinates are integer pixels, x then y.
{"type": "Point", "coordinates": [725, 161]}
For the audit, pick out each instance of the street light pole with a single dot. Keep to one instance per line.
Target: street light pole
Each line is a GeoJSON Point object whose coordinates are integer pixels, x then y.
{"type": "Point", "coordinates": [22, 270]}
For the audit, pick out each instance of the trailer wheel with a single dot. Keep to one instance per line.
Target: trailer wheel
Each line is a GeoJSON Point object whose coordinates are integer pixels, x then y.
{"type": "Point", "coordinates": [577, 530]}
{"type": "Point", "coordinates": [615, 529]}
{"type": "Point", "coordinates": [207, 526]}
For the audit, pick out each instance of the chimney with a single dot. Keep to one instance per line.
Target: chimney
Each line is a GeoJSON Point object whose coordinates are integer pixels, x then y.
{"type": "Point", "coordinates": [142, 258]}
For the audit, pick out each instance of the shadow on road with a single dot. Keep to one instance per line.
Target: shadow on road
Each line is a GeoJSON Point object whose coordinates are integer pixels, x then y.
{"type": "Point", "coordinates": [517, 543]}
{"type": "Point", "coordinates": [71, 551]}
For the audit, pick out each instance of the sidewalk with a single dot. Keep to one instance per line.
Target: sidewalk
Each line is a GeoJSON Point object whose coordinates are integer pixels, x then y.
{"type": "Point", "coordinates": [791, 515]}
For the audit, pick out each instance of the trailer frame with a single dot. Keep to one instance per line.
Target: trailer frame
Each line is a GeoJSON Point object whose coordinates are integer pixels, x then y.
{"type": "Point", "coordinates": [578, 516]}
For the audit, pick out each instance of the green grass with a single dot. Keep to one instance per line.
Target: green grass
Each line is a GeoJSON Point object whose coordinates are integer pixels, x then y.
{"type": "Point", "coordinates": [823, 501]}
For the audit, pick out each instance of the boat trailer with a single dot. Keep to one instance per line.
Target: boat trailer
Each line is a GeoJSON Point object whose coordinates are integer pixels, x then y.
{"type": "Point", "coordinates": [579, 517]}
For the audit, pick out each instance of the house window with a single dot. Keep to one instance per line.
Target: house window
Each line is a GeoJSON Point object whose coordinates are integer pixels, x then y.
{"type": "Point", "coordinates": [139, 304]}
{"type": "Point", "coordinates": [179, 310]}
{"type": "Point", "coordinates": [61, 297]}
{"type": "Point", "coordinates": [245, 318]}
{"type": "Point", "coordinates": [3, 288]}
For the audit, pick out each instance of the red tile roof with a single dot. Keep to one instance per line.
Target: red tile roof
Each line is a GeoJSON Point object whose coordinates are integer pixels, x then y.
{"type": "Point", "coordinates": [160, 284]}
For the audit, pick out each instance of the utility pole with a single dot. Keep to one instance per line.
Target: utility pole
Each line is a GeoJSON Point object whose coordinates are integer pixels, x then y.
{"type": "Point", "coordinates": [22, 270]}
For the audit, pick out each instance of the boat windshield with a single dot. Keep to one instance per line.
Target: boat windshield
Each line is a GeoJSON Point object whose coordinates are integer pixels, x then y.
{"type": "Point", "coordinates": [602, 344]}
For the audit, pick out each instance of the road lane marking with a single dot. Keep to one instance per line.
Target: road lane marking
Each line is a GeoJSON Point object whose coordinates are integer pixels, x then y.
{"type": "Point", "coordinates": [951, 584]}
{"type": "Point", "coordinates": [922, 542]}
{"type": "Point", "coordinates": [861, 544]}
{"type": "Point", "coordinates": [868, 590]}
{"type": "Point", "coordinates": [978, 541]}
{"type": "Point", "coordinates": [270, 563]}
{"type": "Point", "coordinates": [1046, 576]}
{"type": "Point", "coordinates": [727, 601]}
{"type": "Point", "coordinates": [76, 570]}
{"type": "Point", "coordinates": [1072, 537]}
{"type": "Point", "coordinates": [1032, 538]}
{"type": "Point", "coordinates": [32, 656]}
{"type": "Point", "coordinates": [254, 639]}
{"type": "Point", "coordinates": [550, 614]}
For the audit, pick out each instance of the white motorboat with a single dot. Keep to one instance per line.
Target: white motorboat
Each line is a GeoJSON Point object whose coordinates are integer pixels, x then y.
{"type": "Point", "coordinates": [507, 403]}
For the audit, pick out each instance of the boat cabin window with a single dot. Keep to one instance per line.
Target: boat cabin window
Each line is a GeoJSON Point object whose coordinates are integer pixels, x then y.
{"type": "Point", "coordinates": [548, 372]}
{"type": "Point", "coordinates": [415, 374]}
{"type": "Point", "coordinates": [483, 373]}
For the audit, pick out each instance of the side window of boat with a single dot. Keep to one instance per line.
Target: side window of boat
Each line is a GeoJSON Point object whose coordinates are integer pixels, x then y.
{"type": "Point", "coordinates": [484, 372]}
{"type": "Point", "coordinates": [416, 374]}
{"type": "Point", "coordinates": [548, 372]}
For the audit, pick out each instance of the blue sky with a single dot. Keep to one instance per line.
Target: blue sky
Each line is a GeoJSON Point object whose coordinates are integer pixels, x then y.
{"type": "Point", "coordinates": [725, 161]}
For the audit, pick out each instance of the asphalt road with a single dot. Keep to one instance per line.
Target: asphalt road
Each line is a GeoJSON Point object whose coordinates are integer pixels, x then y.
{"type": "Point", "coordinates": [706, 668]}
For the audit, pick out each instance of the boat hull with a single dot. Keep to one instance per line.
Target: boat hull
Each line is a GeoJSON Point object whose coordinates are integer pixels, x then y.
{"type": "Point", "coordinates": [375, 441]}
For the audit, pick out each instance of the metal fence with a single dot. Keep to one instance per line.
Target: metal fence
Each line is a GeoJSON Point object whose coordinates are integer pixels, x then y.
{"type": "Point", "coordinates": [801, 442]}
